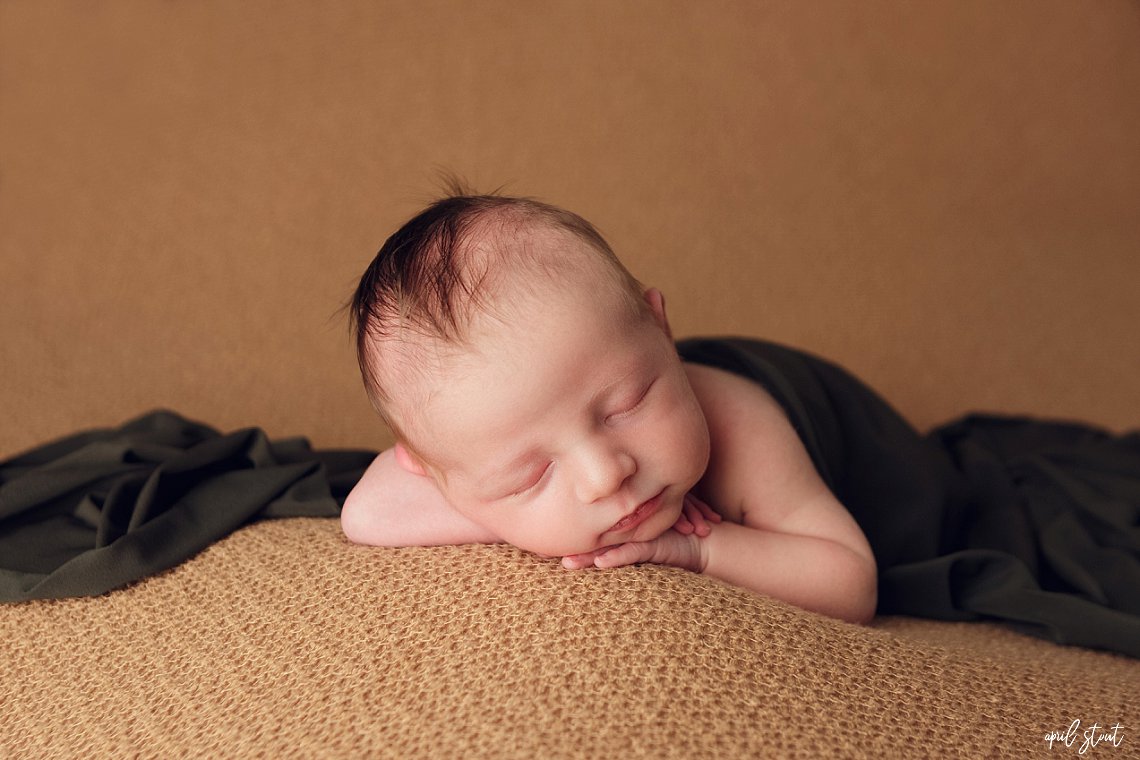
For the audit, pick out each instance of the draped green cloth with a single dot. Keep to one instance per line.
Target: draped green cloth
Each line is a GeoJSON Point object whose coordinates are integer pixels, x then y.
{"type": "Point", "coordinates": [96, 510]}
{"type": "Point", "coordinates": [1032, 522]}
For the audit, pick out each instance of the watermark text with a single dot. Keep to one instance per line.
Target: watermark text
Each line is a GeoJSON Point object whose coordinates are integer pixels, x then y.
{"type": "Point", "coordinates": [1087, 738]}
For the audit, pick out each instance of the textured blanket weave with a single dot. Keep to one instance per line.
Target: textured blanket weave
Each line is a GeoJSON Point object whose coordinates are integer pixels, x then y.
{"type": "Point", "coordinates": [283, 640]}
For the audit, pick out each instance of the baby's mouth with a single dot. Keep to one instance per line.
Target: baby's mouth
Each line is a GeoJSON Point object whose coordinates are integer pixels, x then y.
{"type": "Point", "coordinates": [644, 511]}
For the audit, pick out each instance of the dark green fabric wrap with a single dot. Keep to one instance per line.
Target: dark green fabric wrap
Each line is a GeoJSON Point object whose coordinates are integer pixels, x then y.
{"type": "Point", "coordinates": [99, 509]}
{"type": "Point", "coordinates": [1027, 521]}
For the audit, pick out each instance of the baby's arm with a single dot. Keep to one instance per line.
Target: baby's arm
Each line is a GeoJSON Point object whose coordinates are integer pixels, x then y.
{"type": "Point", "coordinates": [393, 507]}
{"type": "Point", "coordinates": [793, 540]}
{"type": "Point", "coordinates": [810, 570]}
{"type": "Point", "coordinates": [785, 535]}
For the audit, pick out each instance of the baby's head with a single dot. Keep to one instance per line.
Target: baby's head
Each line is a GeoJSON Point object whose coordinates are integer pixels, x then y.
{"type": "Point", "coordinates": [526, 371]}
{"type": "Point", "coordinates": [460, 261]}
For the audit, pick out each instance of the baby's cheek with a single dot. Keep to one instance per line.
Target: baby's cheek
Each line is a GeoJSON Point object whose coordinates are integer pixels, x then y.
{"type": "Point", "coordinates": [688, 421]}
{"type": "Point", "coordinates": [548, 537]}
{"type": "Point", "coordinates": [698, 438]}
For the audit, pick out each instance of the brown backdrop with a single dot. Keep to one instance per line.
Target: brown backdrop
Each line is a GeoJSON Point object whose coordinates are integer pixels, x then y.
{"type": "Point", "coordinates": [944, 197]}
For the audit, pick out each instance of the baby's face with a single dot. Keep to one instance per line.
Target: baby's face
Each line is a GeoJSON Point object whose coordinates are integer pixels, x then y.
{"type": "Point", "coordinates": [570, 427]}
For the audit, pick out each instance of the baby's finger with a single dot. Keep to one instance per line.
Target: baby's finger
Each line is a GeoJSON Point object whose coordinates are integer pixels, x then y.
{"type": "Point", "coordinates": [700, 527]}
{"type": "Point", "coordinates": [578, 561]}
{"type": "Point", "coordinates": [694, 515]}
{"type": "Point", "coordinates": [706, 511]}
{"type": "Point", "coordinates": [683, 525]}
{"type": "Point", "coordinates": [625, 554]}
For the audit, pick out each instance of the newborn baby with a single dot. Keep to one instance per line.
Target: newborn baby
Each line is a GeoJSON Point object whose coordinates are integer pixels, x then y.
{"type": "Point", "coordinates": [537, 398]}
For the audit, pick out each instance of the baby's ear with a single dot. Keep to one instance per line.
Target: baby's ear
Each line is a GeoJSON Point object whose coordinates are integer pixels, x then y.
{"type": "Point", "coordinates": [408, 460]}
{"type": "Point", "coordinates": [656, 300]}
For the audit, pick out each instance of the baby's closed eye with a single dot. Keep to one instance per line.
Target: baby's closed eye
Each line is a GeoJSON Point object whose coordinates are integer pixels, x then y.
{"type": "Point", "coordinates": [632, 402]}
{"type": "Point", "coordinates": [531, 481]}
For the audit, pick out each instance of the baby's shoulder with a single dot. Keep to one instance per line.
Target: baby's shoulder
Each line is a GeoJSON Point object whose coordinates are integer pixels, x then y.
{"type": "Point", "coordinates": [727, 397]}
{"type": "Point", "coordinates": [751, 441]}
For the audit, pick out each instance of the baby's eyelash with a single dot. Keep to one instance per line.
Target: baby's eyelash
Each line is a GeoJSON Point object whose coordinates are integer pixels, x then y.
{"type": "Point", "coordinates": [526, 488]}
{"type": "Point", "coordinates": [636, 404]}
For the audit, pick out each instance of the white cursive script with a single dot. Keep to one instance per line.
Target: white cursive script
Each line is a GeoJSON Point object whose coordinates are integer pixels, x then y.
{"type": "Point", "coordinates": [1093, 735]}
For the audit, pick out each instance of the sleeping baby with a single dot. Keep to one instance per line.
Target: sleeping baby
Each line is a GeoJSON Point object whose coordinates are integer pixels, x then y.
{"type": "Point", "coordinates": [537, 398]}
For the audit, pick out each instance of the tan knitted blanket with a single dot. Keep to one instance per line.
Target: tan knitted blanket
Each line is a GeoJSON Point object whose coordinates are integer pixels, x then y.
{"type": "Point", "coordinates": [284, 640]}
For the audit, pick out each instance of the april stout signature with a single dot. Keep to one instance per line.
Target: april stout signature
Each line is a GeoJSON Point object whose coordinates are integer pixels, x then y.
{"type": "Point", "coordinates": [1088, 738]}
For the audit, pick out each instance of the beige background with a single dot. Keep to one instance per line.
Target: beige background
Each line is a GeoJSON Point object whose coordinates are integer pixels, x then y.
{"type": "Point", "coordinates": [944, 197]}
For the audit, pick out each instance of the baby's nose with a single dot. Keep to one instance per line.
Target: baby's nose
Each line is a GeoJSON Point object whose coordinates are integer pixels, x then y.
{"type": "Point", "coordinates": [604, 471]}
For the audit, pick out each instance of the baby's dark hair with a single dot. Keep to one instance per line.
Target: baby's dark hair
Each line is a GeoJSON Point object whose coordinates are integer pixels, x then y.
{"type": "Point", "coordinates": [431, 276]}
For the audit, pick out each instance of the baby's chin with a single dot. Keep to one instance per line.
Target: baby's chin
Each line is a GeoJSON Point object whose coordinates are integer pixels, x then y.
{"type": "Point", "coordinates": [660, 522]}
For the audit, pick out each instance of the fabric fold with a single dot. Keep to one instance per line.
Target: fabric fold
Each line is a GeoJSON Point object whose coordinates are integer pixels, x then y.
{"type": "Point", "coordinates": [97, 510]}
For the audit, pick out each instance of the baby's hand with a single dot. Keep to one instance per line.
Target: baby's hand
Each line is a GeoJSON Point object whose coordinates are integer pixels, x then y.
{"type": "Point", "coordinates": [695, 517]}
{"type": "Point", "coordinates": [670, 548]}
